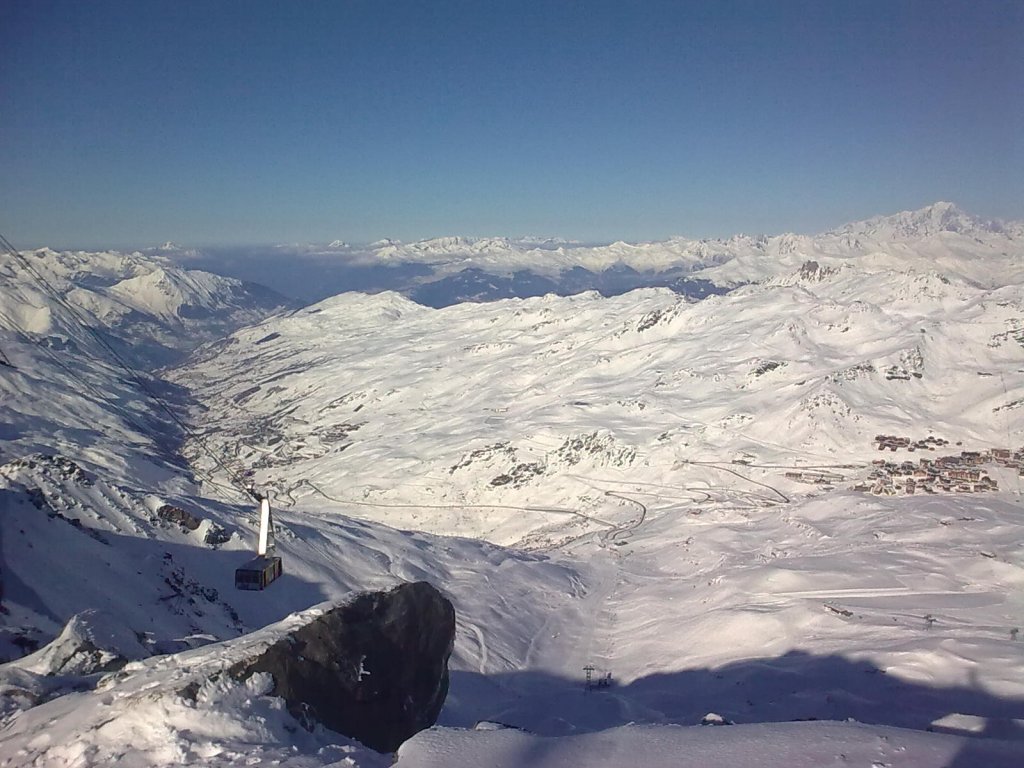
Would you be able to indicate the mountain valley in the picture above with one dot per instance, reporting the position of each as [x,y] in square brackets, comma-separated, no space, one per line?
[673,488]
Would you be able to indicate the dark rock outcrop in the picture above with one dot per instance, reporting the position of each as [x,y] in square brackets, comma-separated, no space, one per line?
[814,272]
[214,536]
[374,669]
[172,514]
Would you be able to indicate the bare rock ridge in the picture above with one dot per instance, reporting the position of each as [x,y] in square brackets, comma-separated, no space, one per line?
[374,669]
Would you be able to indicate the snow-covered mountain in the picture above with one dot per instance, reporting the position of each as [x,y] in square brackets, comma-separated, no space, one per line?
[550,257]
[443,271]
[103,527]
[668,491]
[66,395]
[151,309]
[934,220]
[376,400]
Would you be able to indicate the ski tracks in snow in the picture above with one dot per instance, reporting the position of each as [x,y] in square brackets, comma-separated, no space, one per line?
[481,644]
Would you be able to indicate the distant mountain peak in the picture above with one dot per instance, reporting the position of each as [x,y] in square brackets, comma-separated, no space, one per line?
[942,216]
[170,249]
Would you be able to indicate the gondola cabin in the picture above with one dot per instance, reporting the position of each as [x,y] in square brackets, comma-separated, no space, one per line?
[258,573]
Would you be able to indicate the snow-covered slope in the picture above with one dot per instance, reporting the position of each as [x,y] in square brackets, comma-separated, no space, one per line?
[148,308]
[407,411]
[787,745]
[66,395]
[119,531]
[648,456]
[100,517]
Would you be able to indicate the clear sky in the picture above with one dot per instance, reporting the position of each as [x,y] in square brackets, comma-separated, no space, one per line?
[134,122]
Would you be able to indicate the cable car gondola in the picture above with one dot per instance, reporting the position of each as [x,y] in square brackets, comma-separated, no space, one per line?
[263,569]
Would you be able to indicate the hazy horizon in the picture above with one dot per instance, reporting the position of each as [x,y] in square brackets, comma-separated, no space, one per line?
[237,248]
[266,122]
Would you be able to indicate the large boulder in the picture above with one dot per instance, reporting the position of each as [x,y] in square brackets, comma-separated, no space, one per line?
[374,669]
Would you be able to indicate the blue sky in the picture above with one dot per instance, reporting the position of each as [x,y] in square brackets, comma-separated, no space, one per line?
[134,122]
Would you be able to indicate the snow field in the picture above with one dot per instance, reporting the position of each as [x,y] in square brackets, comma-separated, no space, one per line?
[632,451]
[780,745]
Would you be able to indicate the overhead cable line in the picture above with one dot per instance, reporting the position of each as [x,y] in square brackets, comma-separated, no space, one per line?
[134,374]
[55,359]
[99,394]
[103,397]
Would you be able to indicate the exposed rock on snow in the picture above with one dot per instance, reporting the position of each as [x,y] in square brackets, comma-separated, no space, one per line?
[92,641]
[375,668]
[173,514]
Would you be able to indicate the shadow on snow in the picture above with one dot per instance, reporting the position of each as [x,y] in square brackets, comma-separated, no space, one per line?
[795,686]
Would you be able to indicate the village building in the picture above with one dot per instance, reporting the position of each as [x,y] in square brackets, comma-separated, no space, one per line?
[950,474]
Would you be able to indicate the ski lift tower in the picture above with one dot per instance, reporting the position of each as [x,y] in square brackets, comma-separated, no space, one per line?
[589,670]
[604,681]
[262,570]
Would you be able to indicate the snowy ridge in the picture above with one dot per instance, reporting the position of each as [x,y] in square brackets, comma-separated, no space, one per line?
[500,254]
[141,301]
[551,257]
[648,457]
[941,217]
[443,271]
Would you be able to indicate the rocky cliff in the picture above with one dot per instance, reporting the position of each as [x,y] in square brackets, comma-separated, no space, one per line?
[375,668]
